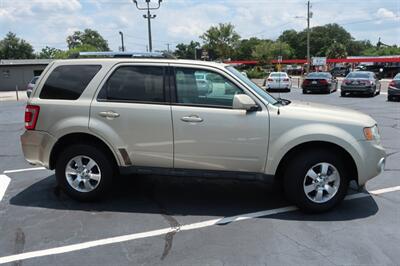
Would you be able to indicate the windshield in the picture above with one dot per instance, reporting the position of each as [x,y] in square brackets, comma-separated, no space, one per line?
[266,96]
[33,81]
[358,75]
[318,75]
[397,76]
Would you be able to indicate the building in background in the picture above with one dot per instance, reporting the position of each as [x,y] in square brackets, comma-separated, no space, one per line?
[19,72]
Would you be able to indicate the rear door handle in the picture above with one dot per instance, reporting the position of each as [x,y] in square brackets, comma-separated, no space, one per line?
[192,118]
[109,114]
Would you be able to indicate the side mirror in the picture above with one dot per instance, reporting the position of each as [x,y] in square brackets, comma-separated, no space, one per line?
[244,102]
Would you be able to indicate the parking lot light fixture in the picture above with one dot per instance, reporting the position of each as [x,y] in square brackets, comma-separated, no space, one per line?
[149,16]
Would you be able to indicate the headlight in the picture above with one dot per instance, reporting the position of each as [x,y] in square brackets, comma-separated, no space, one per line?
[372,133]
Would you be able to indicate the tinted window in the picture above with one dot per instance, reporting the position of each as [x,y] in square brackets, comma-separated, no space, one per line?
[135,83]
[68,82]
[319,75]
[215,91]
[277,75]
[357,75]
[397,76]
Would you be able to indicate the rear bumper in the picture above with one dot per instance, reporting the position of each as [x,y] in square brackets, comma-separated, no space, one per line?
[36,146]
[352,89]
[278,85]
[317,88]
[393,91]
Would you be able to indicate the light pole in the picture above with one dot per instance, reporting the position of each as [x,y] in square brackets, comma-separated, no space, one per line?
[148,16]
[308,36]
[122,41]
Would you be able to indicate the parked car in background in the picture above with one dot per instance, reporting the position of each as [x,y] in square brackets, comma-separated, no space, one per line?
[31,85]
[279,81]
[339,71]
[361,82]
[322,82]
[394,88]
[102,117]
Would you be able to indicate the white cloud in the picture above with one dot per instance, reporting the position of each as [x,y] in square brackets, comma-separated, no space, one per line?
[384,13]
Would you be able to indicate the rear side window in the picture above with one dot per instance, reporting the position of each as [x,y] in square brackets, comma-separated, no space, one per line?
[68,82]
[136,84]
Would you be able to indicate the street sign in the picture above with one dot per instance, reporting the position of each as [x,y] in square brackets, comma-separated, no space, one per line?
[318,61]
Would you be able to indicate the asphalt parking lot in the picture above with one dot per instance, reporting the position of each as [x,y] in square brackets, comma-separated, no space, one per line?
[178,221]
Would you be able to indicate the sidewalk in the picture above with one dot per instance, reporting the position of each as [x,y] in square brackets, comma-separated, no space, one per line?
[12,96]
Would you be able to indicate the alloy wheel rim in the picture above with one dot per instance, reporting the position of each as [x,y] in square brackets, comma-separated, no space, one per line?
[321,182]
[83,173]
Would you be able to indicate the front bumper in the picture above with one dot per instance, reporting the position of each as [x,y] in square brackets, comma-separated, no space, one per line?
[372,162]
[36,146]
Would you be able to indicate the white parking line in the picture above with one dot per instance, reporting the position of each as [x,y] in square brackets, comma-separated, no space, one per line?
[24,170]
[4,182]
[193,226]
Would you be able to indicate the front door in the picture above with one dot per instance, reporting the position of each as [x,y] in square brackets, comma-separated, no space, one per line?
[208,133]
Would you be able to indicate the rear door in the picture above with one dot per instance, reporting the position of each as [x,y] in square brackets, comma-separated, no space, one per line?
[208,133]
[132,112]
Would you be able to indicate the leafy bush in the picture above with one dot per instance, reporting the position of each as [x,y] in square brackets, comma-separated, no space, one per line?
[255,73]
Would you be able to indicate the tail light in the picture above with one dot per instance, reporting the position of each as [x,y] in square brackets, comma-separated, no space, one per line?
[366,82]
[323,82]
[270,79]
[392,83]
[306,82]
[346,81]
[31,116]
[285,79]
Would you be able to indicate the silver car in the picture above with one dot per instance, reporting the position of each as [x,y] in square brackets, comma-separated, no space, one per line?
[278,81]
[92,119]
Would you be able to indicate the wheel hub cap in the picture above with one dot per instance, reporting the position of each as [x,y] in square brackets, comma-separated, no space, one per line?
[82,173]
[321,182]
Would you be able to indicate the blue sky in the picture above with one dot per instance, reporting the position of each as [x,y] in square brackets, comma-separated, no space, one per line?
[48,22]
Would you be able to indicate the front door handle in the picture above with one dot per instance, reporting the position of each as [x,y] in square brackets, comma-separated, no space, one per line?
[192,118]
[109,114]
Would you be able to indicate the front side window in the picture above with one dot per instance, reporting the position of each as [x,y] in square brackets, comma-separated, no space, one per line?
[68,82]
[203,87]
[135,83]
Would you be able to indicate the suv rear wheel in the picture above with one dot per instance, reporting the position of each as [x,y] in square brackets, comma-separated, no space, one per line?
[84,172]
[316,181]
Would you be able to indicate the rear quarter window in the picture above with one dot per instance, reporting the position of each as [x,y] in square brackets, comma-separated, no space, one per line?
[68,82]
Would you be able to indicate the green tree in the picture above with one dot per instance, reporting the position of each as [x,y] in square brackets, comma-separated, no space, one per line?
[49,53]
[87,37]
[321,38]
[245,49]
[358,47]
[186,51]
[221,40]
[375,51]
[268,50]
[336,50]
[12,47]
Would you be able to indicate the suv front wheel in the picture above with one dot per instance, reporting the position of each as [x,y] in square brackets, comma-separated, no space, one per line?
[316,181]
[84,172]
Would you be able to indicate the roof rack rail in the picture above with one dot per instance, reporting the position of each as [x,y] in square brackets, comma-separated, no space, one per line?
[126,54]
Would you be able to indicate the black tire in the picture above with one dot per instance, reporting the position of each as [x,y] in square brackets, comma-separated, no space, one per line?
[304,91]
[103,161]
[342,94]
[390,98]
[295,175]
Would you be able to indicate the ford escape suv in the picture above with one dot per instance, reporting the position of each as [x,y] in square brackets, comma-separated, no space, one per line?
[92,119]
